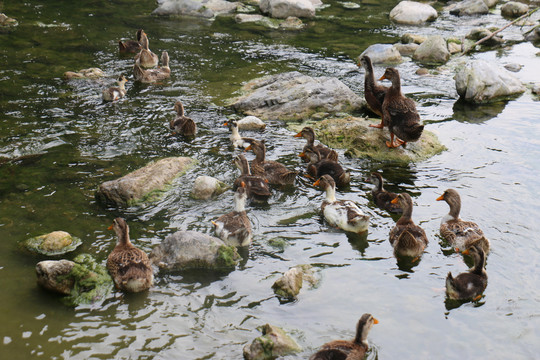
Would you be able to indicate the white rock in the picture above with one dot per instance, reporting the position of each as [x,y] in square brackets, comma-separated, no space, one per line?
[206,186]
[412,13]
[382,53]
[432,51]
[282,9]
[250,123]
[469,7]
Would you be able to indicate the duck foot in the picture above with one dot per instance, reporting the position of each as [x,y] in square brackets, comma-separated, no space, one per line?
[378,126]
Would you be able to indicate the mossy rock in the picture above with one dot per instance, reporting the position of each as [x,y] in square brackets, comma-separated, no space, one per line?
[51,244]
[271,345]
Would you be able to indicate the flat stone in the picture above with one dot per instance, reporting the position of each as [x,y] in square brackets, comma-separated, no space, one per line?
[412,13]
[406,49]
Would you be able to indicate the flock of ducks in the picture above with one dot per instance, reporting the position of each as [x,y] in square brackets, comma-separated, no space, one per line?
[130,267]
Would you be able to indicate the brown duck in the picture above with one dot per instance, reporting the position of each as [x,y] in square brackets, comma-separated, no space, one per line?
[309,134]
[115,92]
[256,187]
[131,46]
[471,284]
[381,197]
[146,58]
[373,91]
[318,167]
[234,227]
[399,113]
[276,173]
[129,266]
[348,349]
[407,238]
[152,75]
[181,124]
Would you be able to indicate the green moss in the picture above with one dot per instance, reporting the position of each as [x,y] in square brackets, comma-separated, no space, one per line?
[54,243]
[227,257]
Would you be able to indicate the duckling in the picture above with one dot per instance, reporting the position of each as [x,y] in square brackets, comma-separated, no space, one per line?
[182,124]
[256,187]
[460,234]
[145,58]
[318,167]
[399,113]
[471,284]
[234,227]
[131,46]
[152,75]
[274,172]
[115,93]
[348,349]
[373,91]
[381,197]
[343,214]
[407,238]
[129,266]
[237,140]
[309,134]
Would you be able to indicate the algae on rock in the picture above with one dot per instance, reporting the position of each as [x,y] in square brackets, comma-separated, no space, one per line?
[54,243]
[273,343]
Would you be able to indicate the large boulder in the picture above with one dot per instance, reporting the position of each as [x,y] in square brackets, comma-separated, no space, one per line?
[273,344]
[412,13]
[469,7]
[54,243]
[282,9]
[294,96]
[432,51]
[196,8]
[382,54]
[193,250]
[206,187]
[143,184]
[480,81]
[514,9]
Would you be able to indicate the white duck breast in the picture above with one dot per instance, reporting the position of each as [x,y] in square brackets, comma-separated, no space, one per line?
[346,215]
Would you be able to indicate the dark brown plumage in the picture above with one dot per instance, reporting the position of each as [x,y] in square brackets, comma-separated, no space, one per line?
[381,197]
[274,172]
[348,349]
[131,46]
[256,187]
[145,58]
[399,112]
[318,167]
[153,75]
[373,91]
[129,266]
[407,238]
[182,124]
[234,227]
[309,134]
[471,284]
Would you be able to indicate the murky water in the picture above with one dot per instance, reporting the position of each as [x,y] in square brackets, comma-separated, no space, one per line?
[64,142]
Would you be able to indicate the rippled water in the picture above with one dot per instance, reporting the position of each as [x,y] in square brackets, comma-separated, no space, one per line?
[63,142]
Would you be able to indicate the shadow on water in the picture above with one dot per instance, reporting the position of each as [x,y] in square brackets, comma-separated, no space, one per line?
[358,242]
[475,113]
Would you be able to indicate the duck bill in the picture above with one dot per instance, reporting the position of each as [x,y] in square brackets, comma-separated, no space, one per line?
[395,201]
[302,155]
[465,252]
[248,148]
[110,227]
[298,135]
[225,123]
[382,78]
[375,321]
[440,198]
[316,183]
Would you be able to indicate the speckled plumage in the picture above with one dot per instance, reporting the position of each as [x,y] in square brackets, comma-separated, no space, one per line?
[234,227]
[318,167]
[131,46]
[145,58]
[325,153]
[152,75]
[274,172]
[182,124]
[407,238]
[256,187]
[115,93]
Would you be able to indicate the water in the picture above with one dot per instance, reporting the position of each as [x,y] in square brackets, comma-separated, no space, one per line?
[63,142]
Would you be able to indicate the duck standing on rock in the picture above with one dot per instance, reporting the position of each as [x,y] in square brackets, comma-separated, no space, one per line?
[348,349]
[131,46]
[407,238]
[276,173]
[146,58]
[460,234]
[343,214]
[309,134]
[234,227]
[152,75]
[115,93]
[182,124]
[129,266]
[471,284]
[318,167]
[374,92]
[256,187]
[381,197]
[399,113]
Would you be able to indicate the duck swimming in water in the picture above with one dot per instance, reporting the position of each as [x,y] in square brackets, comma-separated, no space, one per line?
[309,134]
[131,46]
[152,75]
[381,197]
[182,124]
[471,284]
[273,171]
[407,238]
[115,92]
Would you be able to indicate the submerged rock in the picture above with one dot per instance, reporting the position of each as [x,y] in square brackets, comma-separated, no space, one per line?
[514,9]
[294,96]
[282,9]
[54,243]
[432,51]
[143,184]
[382,54]
[206,187]
[469,7]
[480,81]
[288,286]
[90,73]
[412,13]
[196,8]
[193,250]
[273,343]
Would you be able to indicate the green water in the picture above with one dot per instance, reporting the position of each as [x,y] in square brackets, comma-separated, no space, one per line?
[59,141]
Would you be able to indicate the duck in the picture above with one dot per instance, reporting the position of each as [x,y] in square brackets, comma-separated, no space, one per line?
[381,197]
[309,134]
[471,284]
[129,266]
[234,228]
[256,187]
[460,234]
[131,46]
[115,93]
[407,238]
[152,75]
[399,113]
[236,139]
[343,214]
[373,91]
[273,171]
[181,124]
[318,167]
[145,58]
[348,349]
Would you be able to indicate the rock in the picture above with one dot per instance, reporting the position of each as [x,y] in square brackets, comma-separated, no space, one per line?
[292,23]
[362,141]
[534,36]
[513,67]
[432,51]
[350,5]
[193,250]
[6,21]
[453,47]
[288,286]
[490,3]
[272,344]
[282,9]
[479,33]
[54,243]
[206,186]
[412,38]
[251,123]
[406,49]
[469,7]
[83,281]
[514,9]
[412,13]
[480,81]
[382,54]
[90,73]
[422,71]
[536,89]
[204,8]
[144,184]
[294,96]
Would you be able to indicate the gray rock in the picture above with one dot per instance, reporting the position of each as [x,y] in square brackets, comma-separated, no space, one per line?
[257,19]
[513,67]
[514,9]
[479,33]
[534,36]
[469,7]
[294,96]
[412,38]
[432,51]
[406,49]
[51,275]
[292,23]
[490,3]
[193,250]
[382,54]
[282,9]
[412,13]
[143,184]
[204,8]
[453,47]
[272,344]
[480,81]
[536,89]
[54,243]
[288,286]
[206,187]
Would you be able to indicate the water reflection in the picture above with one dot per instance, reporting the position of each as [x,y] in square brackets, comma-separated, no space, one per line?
[477,113]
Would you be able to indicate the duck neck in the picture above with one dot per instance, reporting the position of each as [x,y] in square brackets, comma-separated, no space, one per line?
[239,203]
[245,168]
[235,134]
[310,138]
[407,213]
[361,336]
[330,193]
[455,208]
[479,263]
[377,185]
[395,89]
[123,237]
[180,109]
[122,85]
[260,153]
[369,76]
